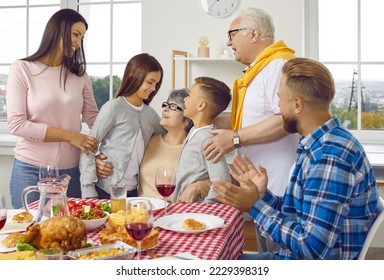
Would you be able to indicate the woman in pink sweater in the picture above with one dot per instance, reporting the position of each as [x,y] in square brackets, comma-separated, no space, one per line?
[48,94]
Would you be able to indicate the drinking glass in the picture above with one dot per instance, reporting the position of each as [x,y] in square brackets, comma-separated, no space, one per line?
[139,221]
[165,183]
[48,171]
[49,254]
[118,193]
[3,211]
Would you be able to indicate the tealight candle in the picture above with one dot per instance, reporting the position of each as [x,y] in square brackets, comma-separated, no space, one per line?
[203,50]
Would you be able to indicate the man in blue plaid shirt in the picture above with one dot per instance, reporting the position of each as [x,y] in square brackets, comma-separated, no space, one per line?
[331,199]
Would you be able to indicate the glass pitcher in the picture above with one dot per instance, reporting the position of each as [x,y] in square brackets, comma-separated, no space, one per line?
[53,198]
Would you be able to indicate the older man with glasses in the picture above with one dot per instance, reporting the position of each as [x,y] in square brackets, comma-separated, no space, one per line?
[255,124]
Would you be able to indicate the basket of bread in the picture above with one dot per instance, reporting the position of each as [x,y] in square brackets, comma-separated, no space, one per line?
[115,230]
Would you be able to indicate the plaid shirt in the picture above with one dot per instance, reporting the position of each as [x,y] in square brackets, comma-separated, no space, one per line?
[330,202]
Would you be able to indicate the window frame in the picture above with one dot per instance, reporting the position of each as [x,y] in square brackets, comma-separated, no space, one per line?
[311,50]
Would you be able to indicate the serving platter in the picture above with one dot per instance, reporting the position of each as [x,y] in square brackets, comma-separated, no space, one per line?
[4,249]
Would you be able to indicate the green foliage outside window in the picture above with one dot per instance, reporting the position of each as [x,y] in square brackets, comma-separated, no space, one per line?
[372,120]
[101,88]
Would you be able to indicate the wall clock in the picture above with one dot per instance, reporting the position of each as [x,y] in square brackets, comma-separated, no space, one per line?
[219,8]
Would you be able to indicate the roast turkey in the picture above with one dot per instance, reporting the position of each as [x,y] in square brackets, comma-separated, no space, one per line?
[62,232]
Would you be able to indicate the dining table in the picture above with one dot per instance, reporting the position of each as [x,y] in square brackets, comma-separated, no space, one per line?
[222,243]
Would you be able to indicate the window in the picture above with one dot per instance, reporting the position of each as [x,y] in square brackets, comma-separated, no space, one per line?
[113,37]
[351,48]
[18,21]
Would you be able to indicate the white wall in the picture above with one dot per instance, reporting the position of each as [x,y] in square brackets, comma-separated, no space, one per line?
[180,25]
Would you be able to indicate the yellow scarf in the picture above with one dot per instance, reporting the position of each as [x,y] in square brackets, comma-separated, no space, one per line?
[274,51]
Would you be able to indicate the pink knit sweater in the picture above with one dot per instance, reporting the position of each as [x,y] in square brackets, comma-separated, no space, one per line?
[36,101]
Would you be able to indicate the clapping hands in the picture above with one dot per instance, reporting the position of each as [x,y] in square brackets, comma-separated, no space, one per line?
[253,185]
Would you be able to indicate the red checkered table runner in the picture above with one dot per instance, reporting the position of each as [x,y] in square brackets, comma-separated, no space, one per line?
[224,243]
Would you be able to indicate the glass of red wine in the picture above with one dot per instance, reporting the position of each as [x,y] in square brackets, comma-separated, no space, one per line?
[165,183]
[139,221]
[3,211]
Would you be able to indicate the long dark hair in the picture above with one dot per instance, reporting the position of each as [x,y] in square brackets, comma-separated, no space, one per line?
[135,72]
[59,27]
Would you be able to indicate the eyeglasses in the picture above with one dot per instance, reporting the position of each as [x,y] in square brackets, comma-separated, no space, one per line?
[172,106]
[233,32]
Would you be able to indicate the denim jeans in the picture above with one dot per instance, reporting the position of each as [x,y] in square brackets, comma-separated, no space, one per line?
[25,175]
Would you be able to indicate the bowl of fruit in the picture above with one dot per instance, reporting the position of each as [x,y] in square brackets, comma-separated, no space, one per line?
[90,213]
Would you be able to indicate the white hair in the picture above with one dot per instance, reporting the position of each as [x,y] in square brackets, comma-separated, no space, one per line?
[255,18]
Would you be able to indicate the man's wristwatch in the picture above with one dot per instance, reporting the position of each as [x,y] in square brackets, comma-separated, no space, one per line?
[236,139]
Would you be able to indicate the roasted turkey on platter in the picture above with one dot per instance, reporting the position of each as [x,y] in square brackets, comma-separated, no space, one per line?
[62,232]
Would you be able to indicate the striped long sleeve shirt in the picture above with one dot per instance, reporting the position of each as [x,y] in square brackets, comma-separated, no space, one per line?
[330,202]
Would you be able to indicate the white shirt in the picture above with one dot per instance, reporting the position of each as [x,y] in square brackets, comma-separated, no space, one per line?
[261,102]
[195,130]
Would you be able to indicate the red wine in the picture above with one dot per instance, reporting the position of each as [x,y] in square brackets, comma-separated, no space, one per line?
[3,219]
[165,189]
[139,231]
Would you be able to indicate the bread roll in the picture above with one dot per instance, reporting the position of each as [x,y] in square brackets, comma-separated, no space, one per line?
[11,240]
[22,217]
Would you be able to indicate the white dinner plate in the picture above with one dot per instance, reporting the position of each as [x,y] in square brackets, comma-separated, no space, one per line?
[10,226]
[174,222]
[156,203]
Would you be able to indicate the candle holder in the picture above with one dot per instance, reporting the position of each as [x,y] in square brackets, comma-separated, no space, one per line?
[203,50]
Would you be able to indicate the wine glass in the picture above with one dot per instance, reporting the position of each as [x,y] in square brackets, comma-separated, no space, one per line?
[48,171]
[3,211]
[139,221]
[165,183]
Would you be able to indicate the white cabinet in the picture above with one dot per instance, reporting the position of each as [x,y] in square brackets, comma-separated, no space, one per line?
[224,69]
